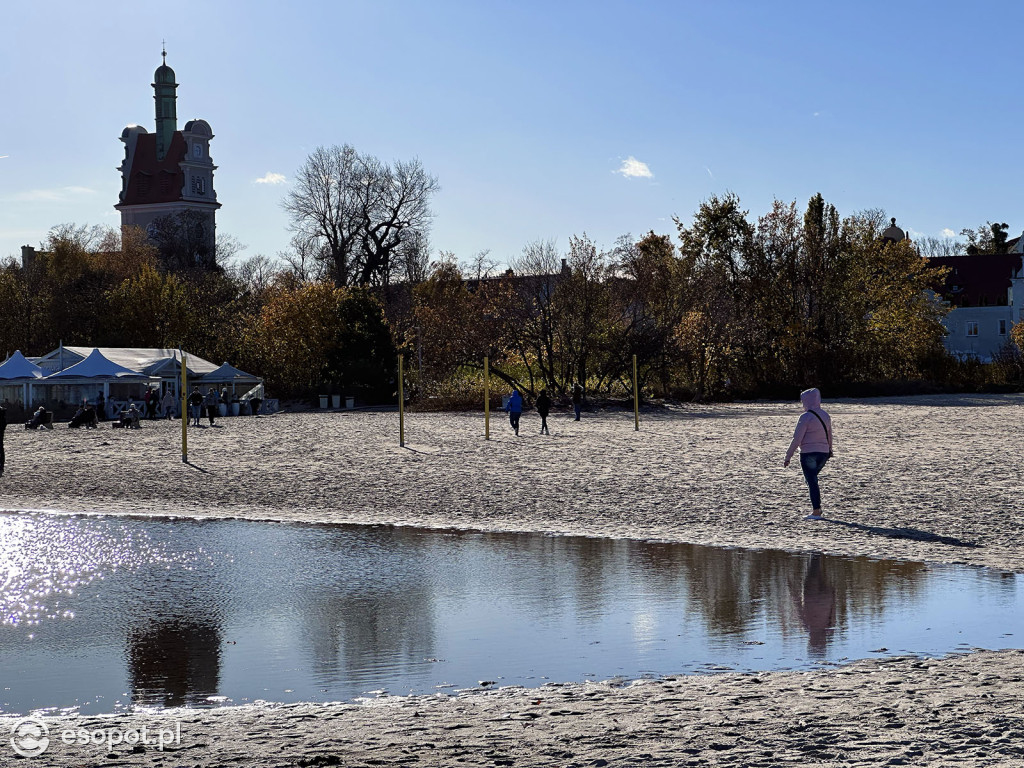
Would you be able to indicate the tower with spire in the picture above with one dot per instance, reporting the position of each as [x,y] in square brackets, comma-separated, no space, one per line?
[167,180]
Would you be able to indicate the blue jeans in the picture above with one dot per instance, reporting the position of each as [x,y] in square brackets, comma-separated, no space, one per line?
[811,464]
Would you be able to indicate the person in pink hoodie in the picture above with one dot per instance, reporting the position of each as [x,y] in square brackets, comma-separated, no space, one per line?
[813,436]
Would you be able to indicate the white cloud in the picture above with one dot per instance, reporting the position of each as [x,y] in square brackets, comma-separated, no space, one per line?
[55,195]
[633,168]
[272,178]
[947,232]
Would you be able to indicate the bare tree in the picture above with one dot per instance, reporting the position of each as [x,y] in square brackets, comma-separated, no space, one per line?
[304,261]
[479,266]
[256,273]
[939,247]
[365,218]
[324,208]
[412,262]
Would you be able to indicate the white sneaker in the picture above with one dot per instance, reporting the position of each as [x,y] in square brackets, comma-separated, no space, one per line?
[814,517]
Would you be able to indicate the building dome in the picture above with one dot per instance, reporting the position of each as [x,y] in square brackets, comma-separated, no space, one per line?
[132,129]
[894,233]
[200,127]
[164,75]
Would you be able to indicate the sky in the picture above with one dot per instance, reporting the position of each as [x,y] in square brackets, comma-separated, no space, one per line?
[540,120]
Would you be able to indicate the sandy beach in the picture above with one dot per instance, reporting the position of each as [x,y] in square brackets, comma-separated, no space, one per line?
[931,479]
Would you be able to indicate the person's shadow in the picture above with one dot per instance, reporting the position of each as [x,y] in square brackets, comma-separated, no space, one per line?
[914,534]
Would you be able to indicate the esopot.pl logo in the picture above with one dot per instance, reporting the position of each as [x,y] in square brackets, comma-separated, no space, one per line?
[30,737]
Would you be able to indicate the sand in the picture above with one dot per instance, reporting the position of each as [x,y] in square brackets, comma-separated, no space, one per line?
[925,479]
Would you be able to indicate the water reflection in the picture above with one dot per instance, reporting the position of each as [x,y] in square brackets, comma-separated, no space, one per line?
[173,663]
[101,614]
[816,604]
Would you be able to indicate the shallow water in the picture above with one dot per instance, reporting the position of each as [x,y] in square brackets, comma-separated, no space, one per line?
[100,614]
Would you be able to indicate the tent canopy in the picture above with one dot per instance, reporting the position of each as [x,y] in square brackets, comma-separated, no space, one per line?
[148,360]
[226,373]
[17,367]
[96,366]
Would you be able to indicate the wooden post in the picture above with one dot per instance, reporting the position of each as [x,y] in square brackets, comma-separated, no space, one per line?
[636,400]
[401,404]
[487,399]
[184,413]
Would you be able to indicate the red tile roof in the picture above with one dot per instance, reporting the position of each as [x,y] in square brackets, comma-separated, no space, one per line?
[153,181]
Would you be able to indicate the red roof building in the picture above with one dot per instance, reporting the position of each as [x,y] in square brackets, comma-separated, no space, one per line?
[169,172]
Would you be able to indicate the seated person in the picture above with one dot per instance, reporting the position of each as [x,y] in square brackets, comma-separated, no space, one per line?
[84,417]
[134,414]
[37,420]
[126,418]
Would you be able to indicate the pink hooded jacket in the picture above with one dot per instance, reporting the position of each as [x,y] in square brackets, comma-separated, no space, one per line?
[810,436]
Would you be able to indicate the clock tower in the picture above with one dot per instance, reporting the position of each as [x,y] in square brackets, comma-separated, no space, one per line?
[167,181]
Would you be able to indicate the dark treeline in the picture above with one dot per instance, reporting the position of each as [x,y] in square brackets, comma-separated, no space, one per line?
[729,307]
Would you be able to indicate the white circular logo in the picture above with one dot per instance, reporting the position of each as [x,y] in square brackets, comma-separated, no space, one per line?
[30,737]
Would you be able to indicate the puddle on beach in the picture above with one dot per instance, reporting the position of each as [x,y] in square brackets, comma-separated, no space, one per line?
[102,614]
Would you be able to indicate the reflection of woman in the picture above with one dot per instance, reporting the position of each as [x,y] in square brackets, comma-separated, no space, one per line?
[817,605]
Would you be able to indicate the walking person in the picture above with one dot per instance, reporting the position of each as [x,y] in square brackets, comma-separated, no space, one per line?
[211,404]
[153,404]
[167,403]
[195,403]
[577,398]
[813,436]
[544,408]
[515,409]
[3,428]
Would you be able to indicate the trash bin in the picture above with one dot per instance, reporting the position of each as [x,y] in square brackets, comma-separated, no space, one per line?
[350,403]
[222,409]
[335,402]
[236,407]
[323,400]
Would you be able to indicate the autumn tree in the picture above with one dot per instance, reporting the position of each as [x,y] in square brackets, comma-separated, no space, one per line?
[309,335]
[988,238]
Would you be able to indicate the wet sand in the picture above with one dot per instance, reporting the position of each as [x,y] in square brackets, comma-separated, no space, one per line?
[924,478]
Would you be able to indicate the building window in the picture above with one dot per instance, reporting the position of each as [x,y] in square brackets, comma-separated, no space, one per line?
[1002,327]
[972,327]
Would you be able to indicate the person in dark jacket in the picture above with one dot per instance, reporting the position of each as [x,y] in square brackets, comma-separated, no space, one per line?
[211,404]
[195,403]
[515,409]
[577,399]
[544,408]
[3,428]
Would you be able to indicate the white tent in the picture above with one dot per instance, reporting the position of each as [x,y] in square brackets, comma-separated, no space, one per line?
[228,374]
[93,376]
[17,367]
[16,376]
[96,366]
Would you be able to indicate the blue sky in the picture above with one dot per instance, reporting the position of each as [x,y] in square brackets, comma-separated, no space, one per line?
[540,119]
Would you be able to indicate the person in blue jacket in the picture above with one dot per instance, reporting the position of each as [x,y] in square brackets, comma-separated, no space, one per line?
[515,409]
